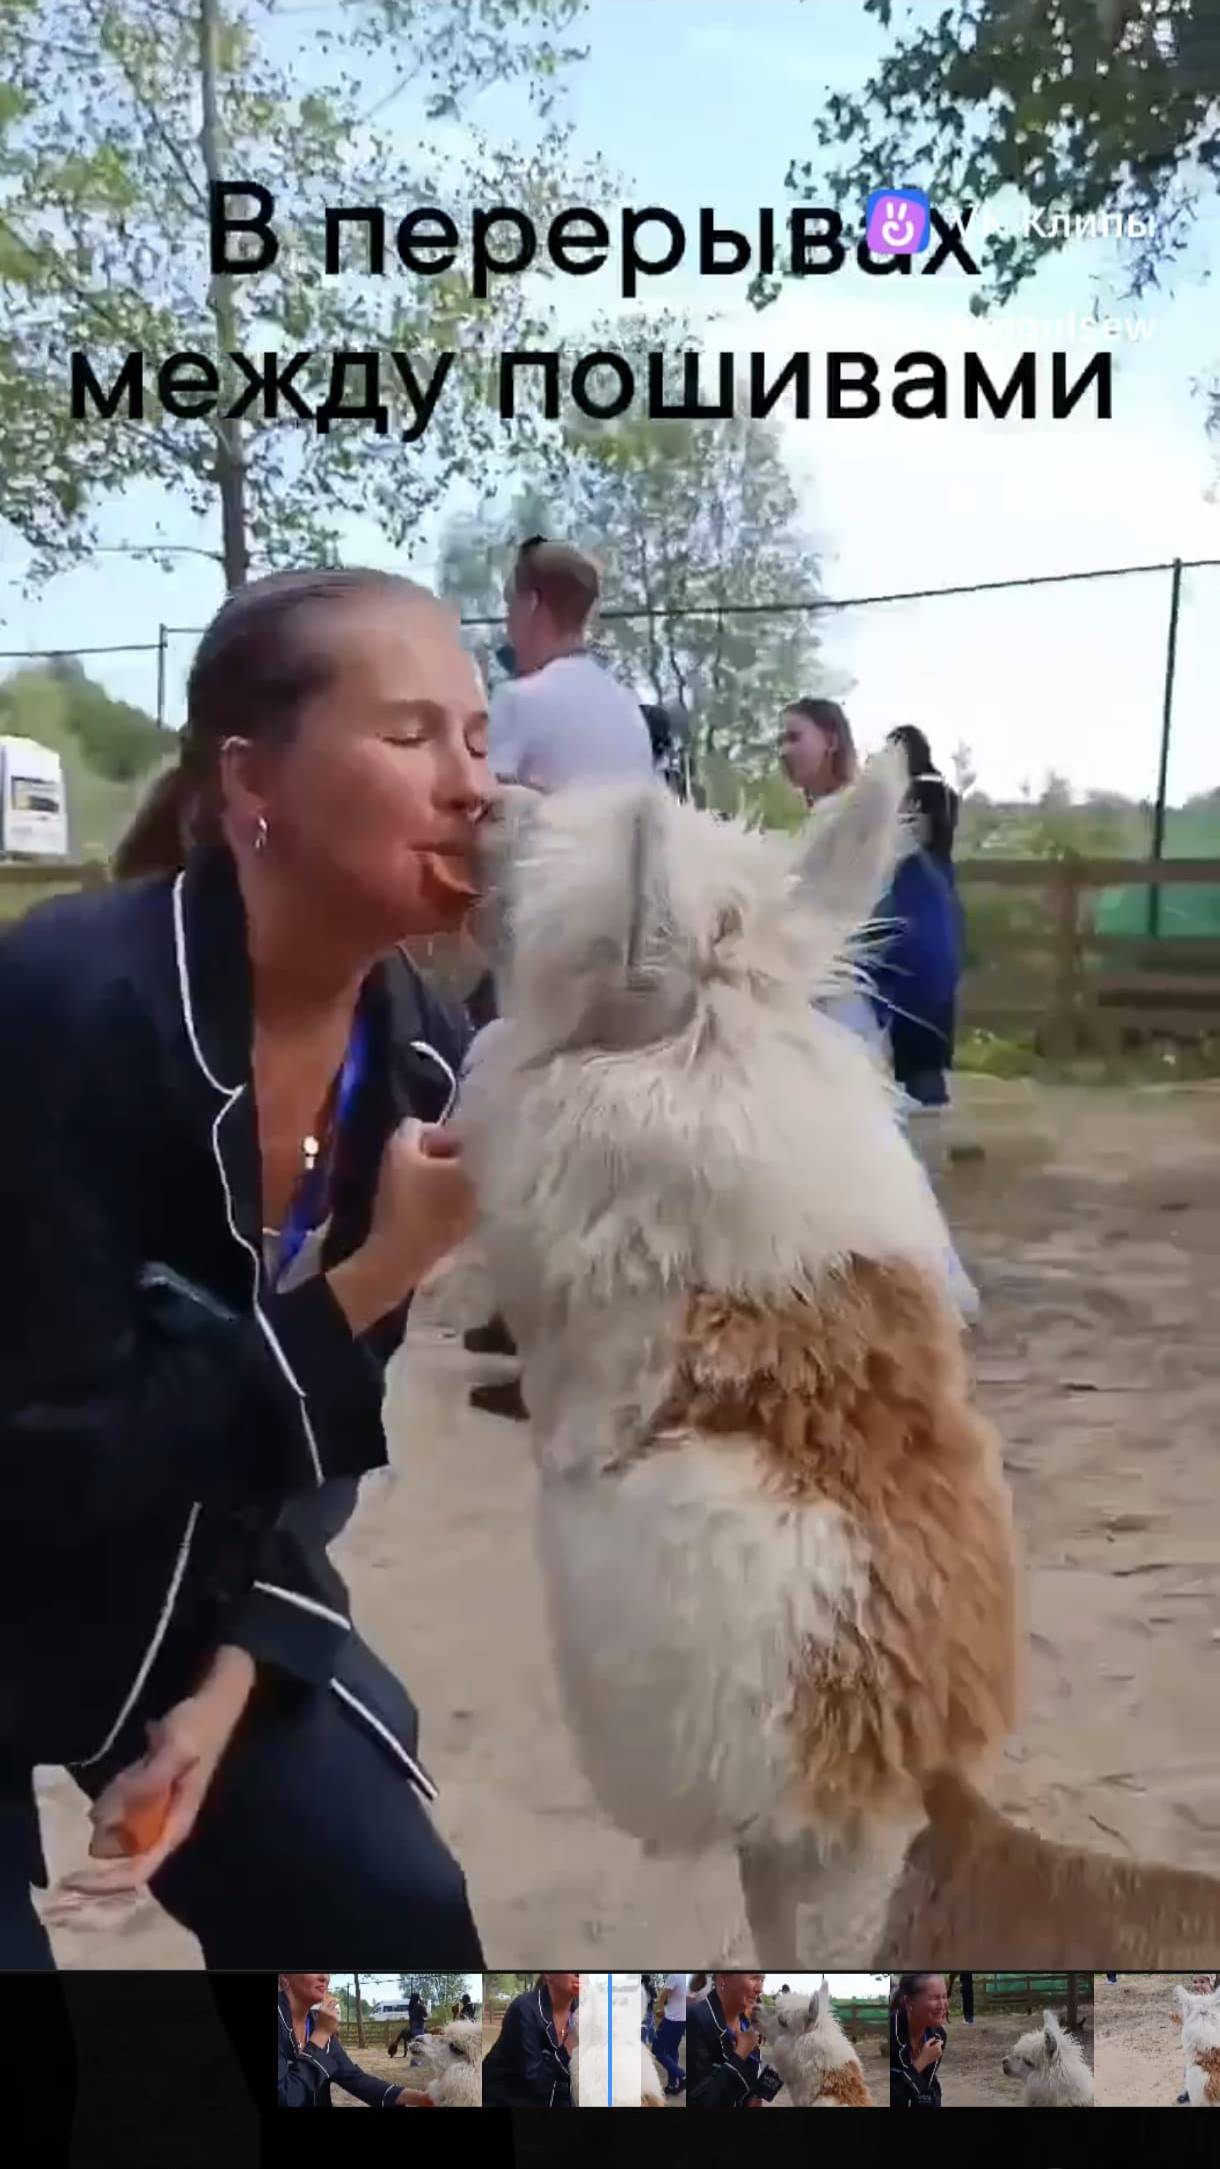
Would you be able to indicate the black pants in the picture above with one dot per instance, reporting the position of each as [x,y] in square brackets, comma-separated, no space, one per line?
[968,1997]
[311,1838]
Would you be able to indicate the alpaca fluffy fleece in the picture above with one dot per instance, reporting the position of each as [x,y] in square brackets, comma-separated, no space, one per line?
[447,2065]
[775,1534]
[1053,2067]
[1201,2046]
[974,1882]
[652,2078]
[813,2056]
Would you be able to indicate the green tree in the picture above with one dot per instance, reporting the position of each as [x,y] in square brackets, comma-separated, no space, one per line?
[440,1991]
[107,747]
[114,117]
[1082,105]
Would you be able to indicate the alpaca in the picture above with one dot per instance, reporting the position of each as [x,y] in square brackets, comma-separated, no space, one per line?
[776,1538]
[813,2056]
[652,2078]
[448,2065]
[1201,2046]
[1053,2067]
[974,1882]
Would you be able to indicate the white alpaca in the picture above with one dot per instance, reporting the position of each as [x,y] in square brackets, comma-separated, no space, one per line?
[652,2078]
[447,2066]
[1053,2067]
[1201,2046]
[813,2056]
[776,1539]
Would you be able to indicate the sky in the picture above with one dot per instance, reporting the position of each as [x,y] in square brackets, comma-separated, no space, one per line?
[1067,678]
[863,1986]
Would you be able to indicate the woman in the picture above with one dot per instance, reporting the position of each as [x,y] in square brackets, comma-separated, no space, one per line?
[417,2015]
[312,2058]
[724,2046]
[818,755]
[919,2008]
[933,802]
[224,1182]
[923,1016]
[529,2065]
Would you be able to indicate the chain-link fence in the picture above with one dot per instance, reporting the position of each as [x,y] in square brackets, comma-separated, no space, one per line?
[1074,710]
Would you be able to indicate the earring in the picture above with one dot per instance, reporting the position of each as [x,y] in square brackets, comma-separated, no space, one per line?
[260,833]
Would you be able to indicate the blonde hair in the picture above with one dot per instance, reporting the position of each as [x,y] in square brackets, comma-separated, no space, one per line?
[566,581]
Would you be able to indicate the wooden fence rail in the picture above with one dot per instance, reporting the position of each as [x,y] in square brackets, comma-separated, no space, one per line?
[1034,963]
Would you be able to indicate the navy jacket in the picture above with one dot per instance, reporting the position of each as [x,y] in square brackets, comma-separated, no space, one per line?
[526,2068]
[178,1441]
[304,2077]
[715,2078]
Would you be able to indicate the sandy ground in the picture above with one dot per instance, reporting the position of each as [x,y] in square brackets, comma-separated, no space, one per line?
[1139,2050]
[1093,1226]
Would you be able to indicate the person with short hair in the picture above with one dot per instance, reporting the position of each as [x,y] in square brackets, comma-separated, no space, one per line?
[724,2045]
[562,718]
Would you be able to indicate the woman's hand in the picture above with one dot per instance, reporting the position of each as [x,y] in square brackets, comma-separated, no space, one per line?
[411,2098]
[161,1795]
[424,1207]
[930,2053]
[325,2019]
[747,2044]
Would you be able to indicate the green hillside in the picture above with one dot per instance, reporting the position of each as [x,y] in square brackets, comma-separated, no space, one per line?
[108,748]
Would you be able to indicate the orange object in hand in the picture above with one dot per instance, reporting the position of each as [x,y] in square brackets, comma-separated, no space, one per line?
[142,1826]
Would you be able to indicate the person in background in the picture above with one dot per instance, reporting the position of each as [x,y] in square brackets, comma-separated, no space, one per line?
[724,2046]
[312,2058]
[562,719]
[923,1021]
[934,803]
[669,2033]
[529,2065]
[468,2009]
[919,2009]
[907,1014]
[417,2015]
[648,1997]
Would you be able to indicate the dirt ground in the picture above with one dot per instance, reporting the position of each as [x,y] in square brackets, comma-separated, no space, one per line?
[378,2061]
[1139,2062]
[1092,1223]
[970,2073]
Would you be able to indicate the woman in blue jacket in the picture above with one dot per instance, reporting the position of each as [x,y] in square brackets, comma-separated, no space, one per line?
[223,1179]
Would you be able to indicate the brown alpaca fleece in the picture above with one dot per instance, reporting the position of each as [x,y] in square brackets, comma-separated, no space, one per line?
[975,1883]
[844,2088]
[857,1395]
[1208,2060]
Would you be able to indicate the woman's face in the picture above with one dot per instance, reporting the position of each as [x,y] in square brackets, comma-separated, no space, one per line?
[929,2006]
[739,1991]
[804,752]
[564,1987]
[307,1988]
[371,809]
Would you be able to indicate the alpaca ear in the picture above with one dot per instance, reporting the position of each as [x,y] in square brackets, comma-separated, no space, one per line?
[850,847]
[821,2002]
[502,834]
[1051,2034]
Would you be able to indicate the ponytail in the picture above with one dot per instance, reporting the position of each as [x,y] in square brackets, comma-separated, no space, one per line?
[155,841]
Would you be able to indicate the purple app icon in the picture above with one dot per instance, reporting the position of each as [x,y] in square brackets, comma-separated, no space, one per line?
[897,222]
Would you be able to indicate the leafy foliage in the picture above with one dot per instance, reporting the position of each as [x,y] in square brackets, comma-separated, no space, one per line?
[1082,105]
[104,248]
[107,747]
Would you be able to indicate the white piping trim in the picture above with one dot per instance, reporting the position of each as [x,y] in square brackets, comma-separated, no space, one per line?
[184,990]
[231,1094]
[329,2075]
[421,1046]
[155,1644]
[390,2090]
[419,1778]
[307,1604]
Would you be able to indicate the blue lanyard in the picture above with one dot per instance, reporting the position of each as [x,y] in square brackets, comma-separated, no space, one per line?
[306,1211]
